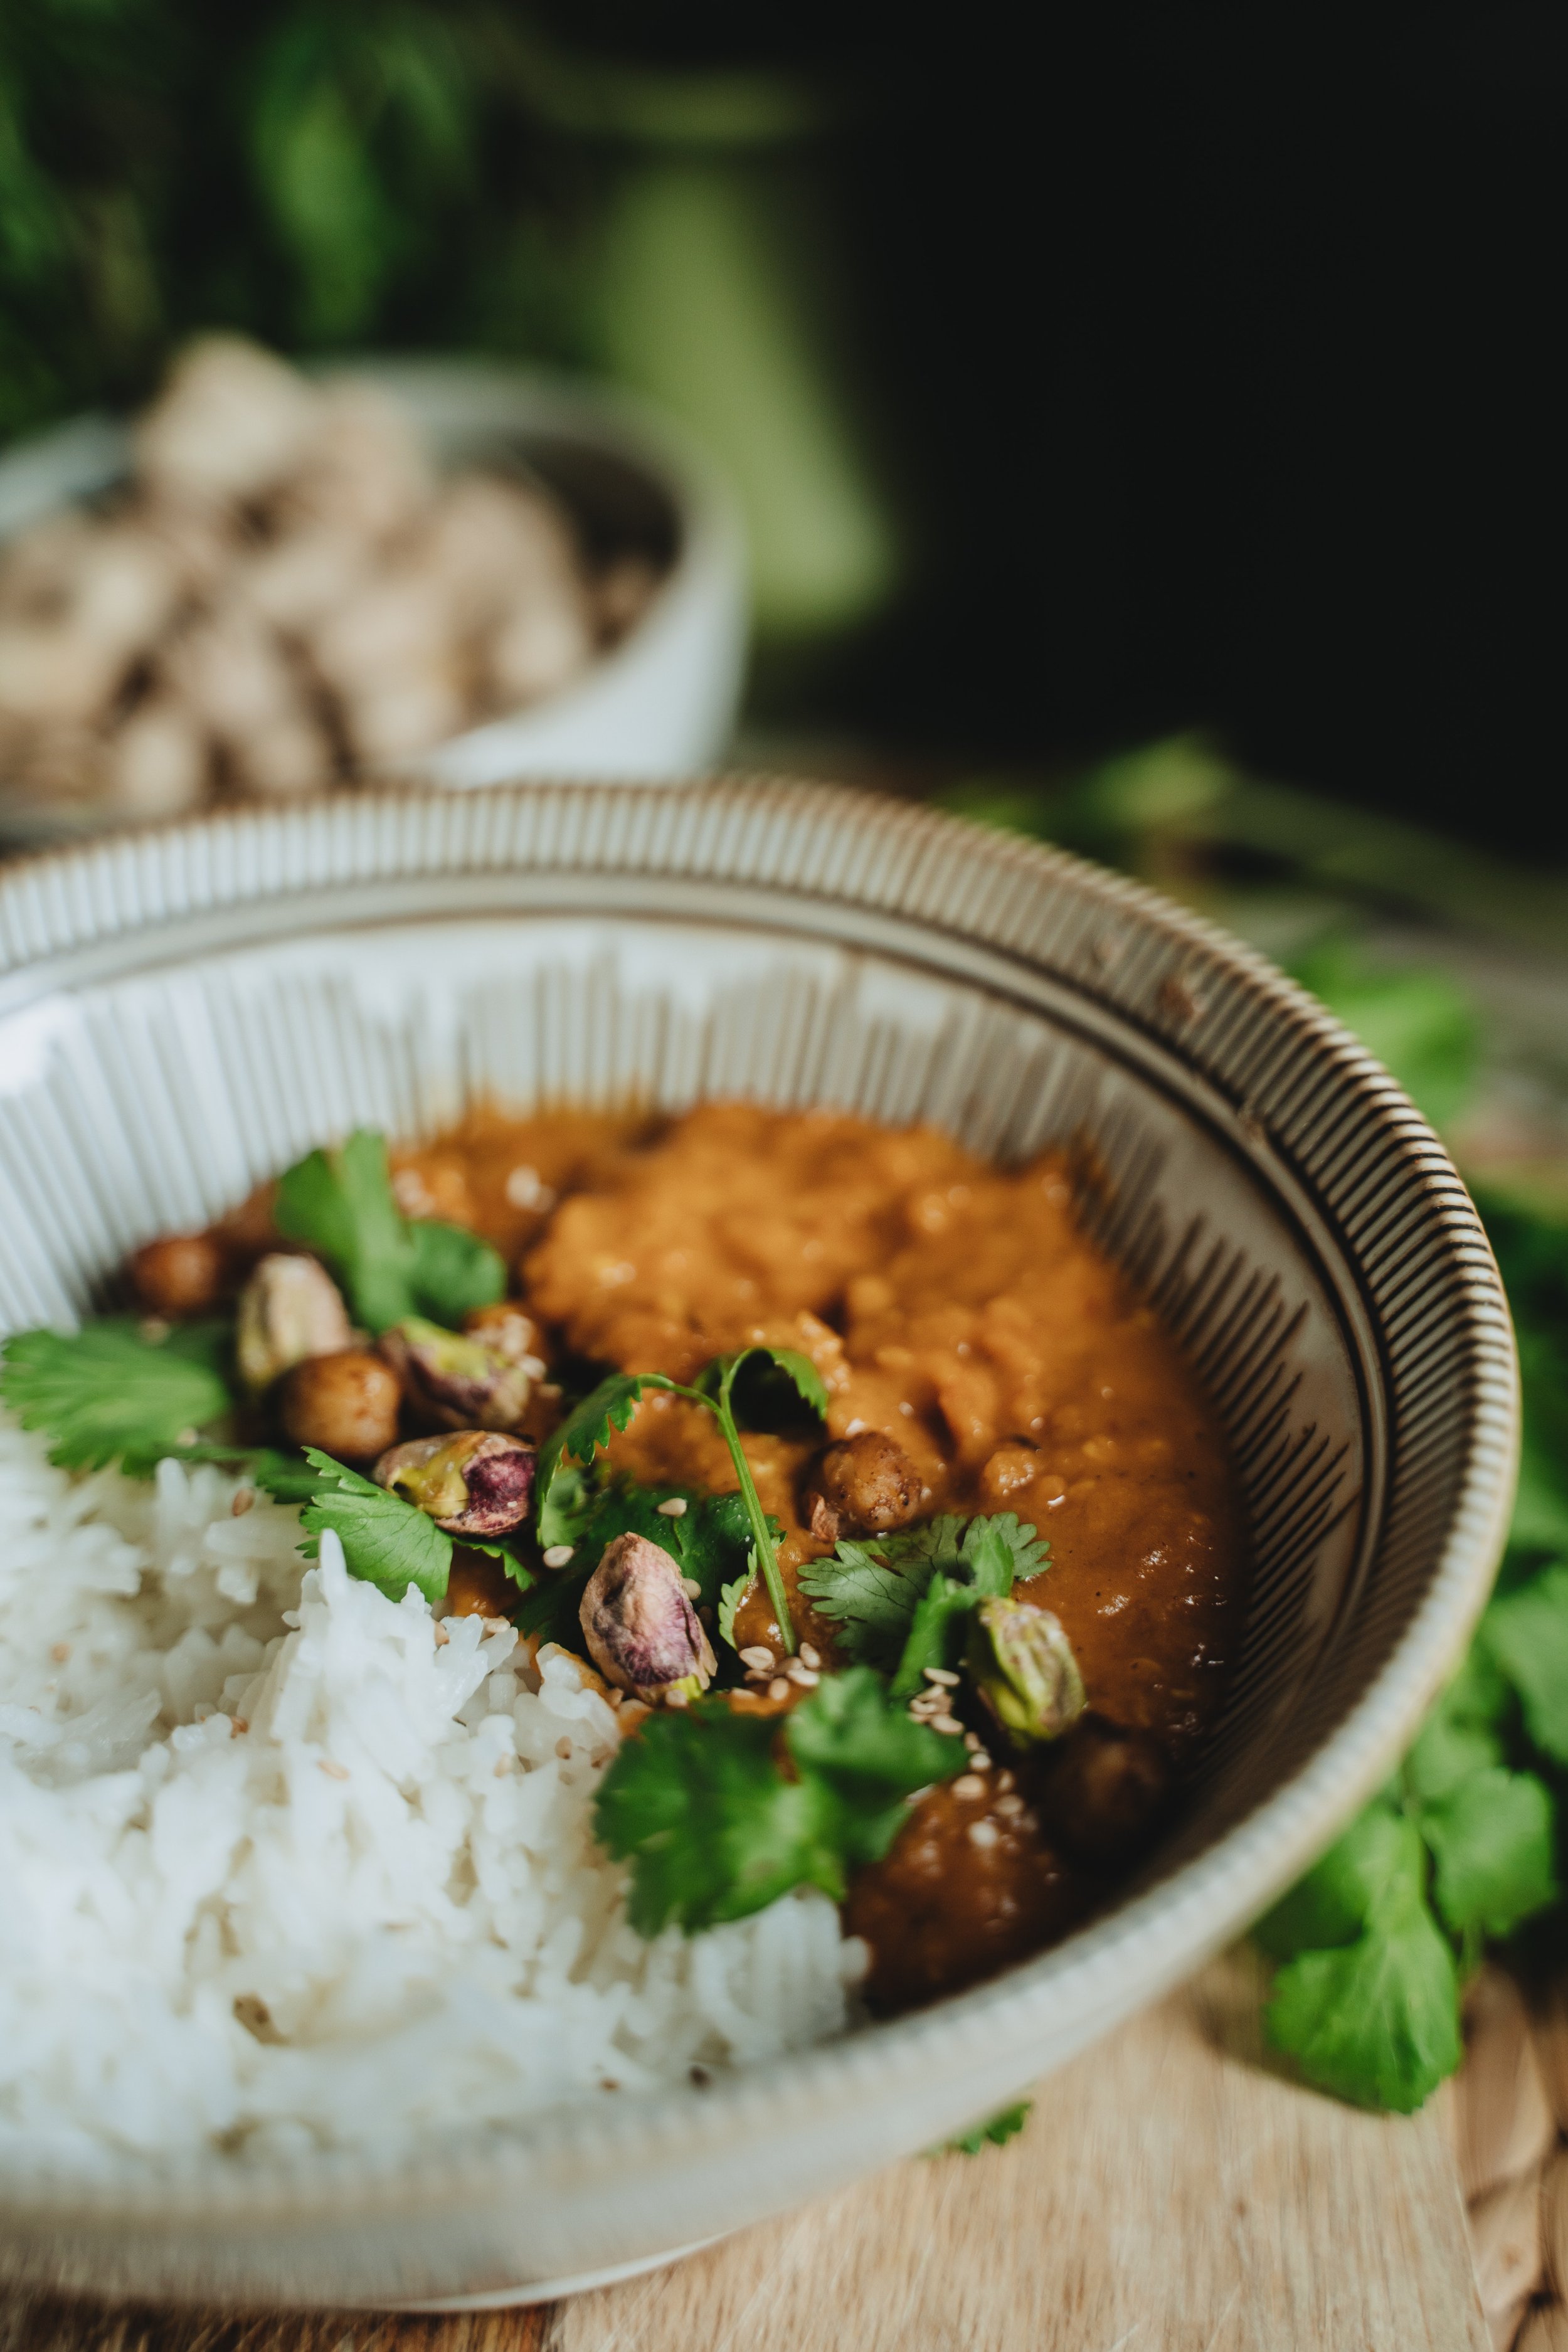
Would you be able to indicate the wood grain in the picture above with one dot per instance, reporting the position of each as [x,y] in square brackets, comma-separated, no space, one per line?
[1170,2195]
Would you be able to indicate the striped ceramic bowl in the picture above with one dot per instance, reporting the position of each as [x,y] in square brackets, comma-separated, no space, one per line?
[183,1012]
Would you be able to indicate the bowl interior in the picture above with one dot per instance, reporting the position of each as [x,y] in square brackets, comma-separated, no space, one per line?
[186,1017]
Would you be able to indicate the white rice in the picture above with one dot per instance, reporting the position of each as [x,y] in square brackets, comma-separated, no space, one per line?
[375,1914]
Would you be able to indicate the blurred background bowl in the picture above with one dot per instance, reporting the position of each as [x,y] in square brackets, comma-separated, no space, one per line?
[659,703]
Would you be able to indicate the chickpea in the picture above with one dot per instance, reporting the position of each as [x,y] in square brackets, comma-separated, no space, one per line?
[868,1483]
[1106,1789]
[346,1403]
[183,1274]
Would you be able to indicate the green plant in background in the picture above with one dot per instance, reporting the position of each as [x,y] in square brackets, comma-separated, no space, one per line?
[333,174]
[1463,1849]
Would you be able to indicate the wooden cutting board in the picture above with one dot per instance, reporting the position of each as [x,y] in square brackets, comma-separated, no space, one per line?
[1170,2194]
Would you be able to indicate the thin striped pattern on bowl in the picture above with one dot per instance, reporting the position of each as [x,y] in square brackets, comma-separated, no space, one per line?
[183,1012]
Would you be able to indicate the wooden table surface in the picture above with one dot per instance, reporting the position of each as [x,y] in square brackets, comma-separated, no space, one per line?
[1170,2194]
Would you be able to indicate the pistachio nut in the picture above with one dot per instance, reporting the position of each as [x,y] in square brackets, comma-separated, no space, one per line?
[289,1311]
[1025,1670]
[455,1381]
[642,1632]
[478,1482]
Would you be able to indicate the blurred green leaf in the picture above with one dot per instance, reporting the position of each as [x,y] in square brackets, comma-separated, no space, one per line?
[1419,1024]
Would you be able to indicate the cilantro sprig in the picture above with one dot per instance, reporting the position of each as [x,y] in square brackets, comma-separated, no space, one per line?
[109,1393]
[389,1542]
[720,1813]
[1461,1850]
[568,1497]
[340,1204]
[901,1601]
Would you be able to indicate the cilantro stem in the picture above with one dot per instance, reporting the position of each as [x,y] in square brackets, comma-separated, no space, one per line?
[767,1558]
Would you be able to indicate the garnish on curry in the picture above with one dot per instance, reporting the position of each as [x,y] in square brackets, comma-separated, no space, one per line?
[887,1514]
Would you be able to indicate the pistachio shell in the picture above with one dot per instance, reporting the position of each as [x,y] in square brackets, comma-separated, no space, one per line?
[477,1483]
[1026,1671]
[289,1311]
[642,1631]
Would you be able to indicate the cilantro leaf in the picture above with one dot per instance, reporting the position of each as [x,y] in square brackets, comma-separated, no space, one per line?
[390,1543]
[936,1633]
[1375,2020]
[1527,1633]
[873,1603]
[719,1379]
[730,1600]
[1492,1840]
[565,1496]
[872,1754]
[994,2132]
[873,1588]
[340,1204]
[1339,1895]
[452,1271]
[714,1830]
[106,1393]
[287,1477]
[713,1541]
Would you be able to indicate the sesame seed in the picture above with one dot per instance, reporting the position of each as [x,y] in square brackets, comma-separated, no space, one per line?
[690,1587]
[188,1437]
[240,1725]
[801,1674]
[1010,1807]
[968,1786]
[59,1652]
[949,1723]
[972,1740]
[675,1697]
[617,1698]
[1005,1782]
[564,1748]
[503,1766]
[442,1637]
[244,1501]
[810,1657]
[943,1675]
[979,1761]
[984,1833]
[558,1556]
[674,1510]
[758,1657]
[334,1770]
[778,1689]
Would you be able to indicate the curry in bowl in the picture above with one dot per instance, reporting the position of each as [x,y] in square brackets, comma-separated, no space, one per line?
[768,1568]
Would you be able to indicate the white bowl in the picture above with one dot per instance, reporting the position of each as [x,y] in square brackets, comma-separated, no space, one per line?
[660,705]
[1279,1197]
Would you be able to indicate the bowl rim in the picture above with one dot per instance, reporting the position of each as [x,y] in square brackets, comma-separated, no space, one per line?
[57,903]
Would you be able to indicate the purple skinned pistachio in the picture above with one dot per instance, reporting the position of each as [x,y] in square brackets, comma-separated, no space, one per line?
[642,1632]
[458,1381]
[478,1482]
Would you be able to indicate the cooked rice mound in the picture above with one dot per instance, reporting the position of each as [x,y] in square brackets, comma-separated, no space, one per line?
[373,1915]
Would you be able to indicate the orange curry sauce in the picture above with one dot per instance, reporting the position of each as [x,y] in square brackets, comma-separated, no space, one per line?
[961,1309]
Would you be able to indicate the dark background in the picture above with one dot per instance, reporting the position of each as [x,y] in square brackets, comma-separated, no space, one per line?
[1206,353]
